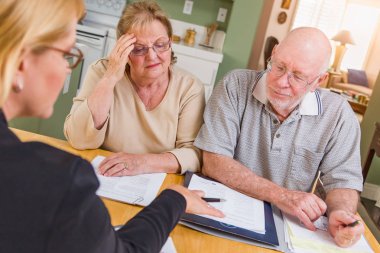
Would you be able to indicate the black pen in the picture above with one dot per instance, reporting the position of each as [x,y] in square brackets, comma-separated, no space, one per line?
[353,224]
[213,199]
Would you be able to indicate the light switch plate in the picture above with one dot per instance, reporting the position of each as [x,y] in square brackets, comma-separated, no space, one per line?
[222,15]
[188,7]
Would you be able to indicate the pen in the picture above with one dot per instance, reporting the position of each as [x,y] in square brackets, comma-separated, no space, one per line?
[353,224]
[213,199]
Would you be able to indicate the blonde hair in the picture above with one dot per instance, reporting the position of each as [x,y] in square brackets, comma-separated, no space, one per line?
[30,25]
[138,15]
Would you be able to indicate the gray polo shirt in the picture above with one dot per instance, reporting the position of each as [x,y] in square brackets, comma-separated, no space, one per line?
[322,133]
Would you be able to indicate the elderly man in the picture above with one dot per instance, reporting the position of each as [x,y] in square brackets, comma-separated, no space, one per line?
[267,134]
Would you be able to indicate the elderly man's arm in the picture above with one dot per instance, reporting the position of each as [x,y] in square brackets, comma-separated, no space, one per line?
[342,205]
[305,206]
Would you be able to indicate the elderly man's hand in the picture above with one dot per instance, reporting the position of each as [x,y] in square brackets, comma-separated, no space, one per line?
[345,235]
[307,207]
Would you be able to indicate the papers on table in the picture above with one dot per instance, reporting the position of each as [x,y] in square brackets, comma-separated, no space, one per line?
[138,190]
[301,240]
[240,210]
[322,223]
[168,247]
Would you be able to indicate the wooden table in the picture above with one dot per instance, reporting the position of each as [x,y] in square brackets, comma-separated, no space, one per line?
[185,239]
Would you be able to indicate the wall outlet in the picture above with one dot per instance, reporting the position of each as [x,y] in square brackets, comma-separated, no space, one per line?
[222,14]
[188,7]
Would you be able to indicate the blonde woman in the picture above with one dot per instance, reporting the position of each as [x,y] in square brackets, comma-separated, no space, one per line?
[48,201]
[137,103]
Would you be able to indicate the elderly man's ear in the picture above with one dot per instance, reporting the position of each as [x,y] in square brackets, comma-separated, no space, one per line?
[274,51]
[321,79]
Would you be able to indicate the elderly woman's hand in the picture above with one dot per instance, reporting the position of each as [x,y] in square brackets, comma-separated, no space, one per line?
[123,164]
[118,58]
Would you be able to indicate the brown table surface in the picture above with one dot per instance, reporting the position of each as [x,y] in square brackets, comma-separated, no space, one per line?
[185,239]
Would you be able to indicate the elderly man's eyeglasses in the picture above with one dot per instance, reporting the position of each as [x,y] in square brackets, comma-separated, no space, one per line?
[73,57]
[158,47]
[293,79]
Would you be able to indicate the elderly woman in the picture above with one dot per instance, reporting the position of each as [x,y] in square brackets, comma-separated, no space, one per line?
[136,102]
[48,196]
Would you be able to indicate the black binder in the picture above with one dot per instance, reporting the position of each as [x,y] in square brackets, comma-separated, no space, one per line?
[205,224]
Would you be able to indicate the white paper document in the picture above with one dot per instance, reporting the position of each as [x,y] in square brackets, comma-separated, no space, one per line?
[240,210]
[168,247]
[138,190]
[302,240]
[322,223]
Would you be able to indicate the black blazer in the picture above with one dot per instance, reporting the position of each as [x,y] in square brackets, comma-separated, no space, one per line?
[48,204]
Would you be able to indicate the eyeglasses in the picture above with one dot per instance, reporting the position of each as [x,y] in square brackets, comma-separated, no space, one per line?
[294,80]
[73,57]
[158,47]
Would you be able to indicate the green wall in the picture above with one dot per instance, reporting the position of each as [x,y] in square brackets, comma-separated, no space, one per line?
[204,12]
[371,116]
[240,34]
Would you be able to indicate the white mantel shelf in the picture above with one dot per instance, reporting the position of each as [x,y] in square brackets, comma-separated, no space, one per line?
[197,51]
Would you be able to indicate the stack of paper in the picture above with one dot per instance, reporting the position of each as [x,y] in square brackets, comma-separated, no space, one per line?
[301,240]
[240,210]
[137,190]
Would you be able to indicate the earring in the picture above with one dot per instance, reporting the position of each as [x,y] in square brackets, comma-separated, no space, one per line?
[19,85]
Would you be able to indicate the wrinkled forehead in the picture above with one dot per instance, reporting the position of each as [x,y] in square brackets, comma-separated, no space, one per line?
[147,26]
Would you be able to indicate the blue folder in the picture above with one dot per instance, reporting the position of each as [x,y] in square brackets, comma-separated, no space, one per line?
[270,236]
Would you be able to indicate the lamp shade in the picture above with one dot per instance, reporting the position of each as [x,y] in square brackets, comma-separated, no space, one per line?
[344,37]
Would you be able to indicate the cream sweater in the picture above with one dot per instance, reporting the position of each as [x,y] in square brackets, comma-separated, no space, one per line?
[170,127]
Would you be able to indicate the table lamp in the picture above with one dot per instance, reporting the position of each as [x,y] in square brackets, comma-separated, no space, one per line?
[344,37]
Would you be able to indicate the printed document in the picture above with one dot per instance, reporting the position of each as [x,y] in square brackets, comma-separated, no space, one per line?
[168,247]
[240,210]
[137,190]
[302,240]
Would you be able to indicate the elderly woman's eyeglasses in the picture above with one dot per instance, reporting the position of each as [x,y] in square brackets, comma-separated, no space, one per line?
[73,57]
[158,47]
[295,80]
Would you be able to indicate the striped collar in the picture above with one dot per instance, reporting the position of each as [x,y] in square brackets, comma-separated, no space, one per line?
[311,104]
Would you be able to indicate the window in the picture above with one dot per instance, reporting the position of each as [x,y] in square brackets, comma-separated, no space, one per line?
[331,16]
[325,15]
[362,32]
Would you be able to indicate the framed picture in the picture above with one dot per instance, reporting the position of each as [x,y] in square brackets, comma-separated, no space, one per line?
[286,4]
